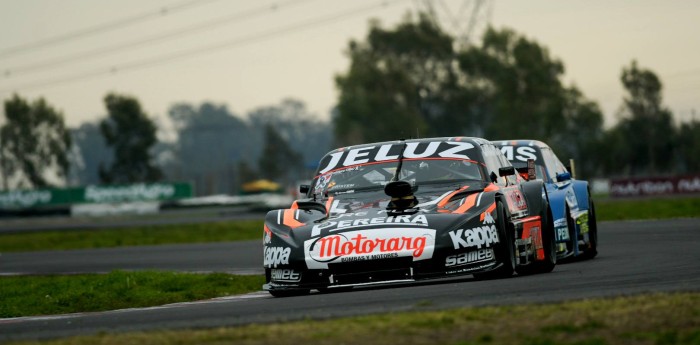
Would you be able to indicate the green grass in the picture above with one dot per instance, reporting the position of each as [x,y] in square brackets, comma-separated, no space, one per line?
[132,236]
[659,208]
[609,209]
[43,295]
[656,319]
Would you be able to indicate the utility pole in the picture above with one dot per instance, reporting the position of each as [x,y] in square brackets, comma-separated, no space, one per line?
[463,21]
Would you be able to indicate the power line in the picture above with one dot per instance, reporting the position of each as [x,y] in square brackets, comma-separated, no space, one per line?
[185,53]
[207,25]
[97,29]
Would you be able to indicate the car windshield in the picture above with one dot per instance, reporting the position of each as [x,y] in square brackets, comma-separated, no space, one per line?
[416,171]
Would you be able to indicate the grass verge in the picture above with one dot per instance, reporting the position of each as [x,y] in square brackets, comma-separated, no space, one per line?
[249,230]
[647,319]
[43,295]
[132,236]
[660,208]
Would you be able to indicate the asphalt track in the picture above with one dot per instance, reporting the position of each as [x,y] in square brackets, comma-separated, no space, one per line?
[635,257]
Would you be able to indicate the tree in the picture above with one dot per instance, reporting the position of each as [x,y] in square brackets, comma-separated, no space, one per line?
[689,147]
[645,132]
[410,81]
[401,83]
[131,134]
[34,143]
[278,161]
[211,143]
[524,97]
[311,137]
[91,151]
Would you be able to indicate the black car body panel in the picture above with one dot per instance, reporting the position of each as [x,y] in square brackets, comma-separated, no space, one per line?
[348,232]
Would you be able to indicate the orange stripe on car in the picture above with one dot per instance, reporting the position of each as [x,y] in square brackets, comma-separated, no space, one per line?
[446,199]
[491,187]
[289,219]
[468,203]
[328,205]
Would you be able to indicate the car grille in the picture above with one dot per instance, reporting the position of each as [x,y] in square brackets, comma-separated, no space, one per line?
[371,271]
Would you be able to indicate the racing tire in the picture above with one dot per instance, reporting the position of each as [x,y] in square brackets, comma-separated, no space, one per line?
[505,252]
[289,293]
[550,249]
[592,249]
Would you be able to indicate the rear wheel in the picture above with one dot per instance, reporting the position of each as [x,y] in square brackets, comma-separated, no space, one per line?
[592,249]
[505,251]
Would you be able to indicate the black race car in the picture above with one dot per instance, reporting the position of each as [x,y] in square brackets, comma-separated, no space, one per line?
[408,210]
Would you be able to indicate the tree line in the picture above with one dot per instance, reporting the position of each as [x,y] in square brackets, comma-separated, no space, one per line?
[409,81]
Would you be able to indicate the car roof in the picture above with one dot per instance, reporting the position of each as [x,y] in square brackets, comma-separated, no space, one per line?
[520,142]
[473,140]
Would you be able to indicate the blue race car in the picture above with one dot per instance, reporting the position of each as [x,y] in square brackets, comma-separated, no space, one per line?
[570,199]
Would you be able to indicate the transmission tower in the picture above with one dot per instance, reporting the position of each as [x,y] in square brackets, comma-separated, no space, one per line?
[464,20]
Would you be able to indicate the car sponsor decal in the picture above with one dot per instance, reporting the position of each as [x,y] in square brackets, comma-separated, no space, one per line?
[481,236]
[467,258]
[388,152]
[285,275]
[582,222]
[561,230]
[335,225]
[486,215]
[521,153]
[562,234]
[267,238]
[275,256]
[374,244]
[471,269]
[532,230]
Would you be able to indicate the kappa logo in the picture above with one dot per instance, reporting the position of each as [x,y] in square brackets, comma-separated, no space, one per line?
[276,256]
[488,218]
[483,236]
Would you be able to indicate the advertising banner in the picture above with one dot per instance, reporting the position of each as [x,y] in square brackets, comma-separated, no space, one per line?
[23,199]
[647,186]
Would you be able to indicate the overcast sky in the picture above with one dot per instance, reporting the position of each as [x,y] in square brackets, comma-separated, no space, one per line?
[249,54]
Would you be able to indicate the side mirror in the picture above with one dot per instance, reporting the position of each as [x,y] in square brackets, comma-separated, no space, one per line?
[565,176]
[506,171]
[304,189]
